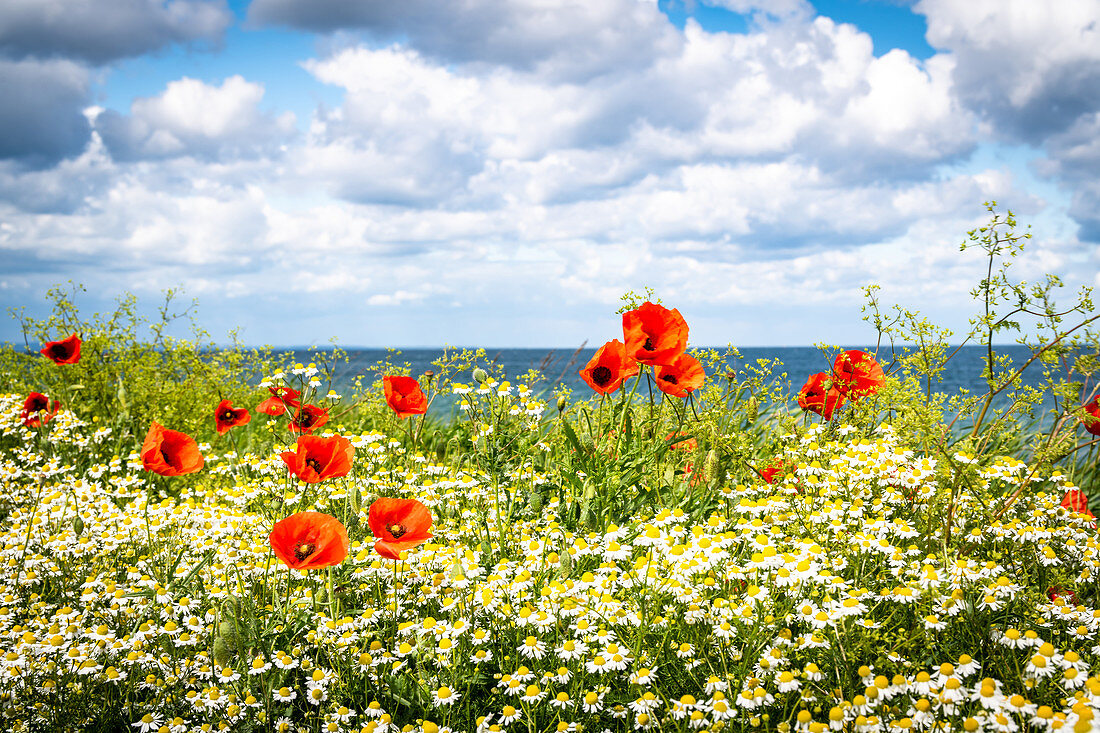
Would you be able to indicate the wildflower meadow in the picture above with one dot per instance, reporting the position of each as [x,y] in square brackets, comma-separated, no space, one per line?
[197,539]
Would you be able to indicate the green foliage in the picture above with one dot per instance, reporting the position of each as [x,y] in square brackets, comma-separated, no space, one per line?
[132,371]
[935,517]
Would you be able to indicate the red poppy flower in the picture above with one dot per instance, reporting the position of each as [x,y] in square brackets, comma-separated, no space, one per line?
[1055,592]
[66,351]
[227,416]
[308,540]
[307,418]
[654,334]
[404,396]
[819,397]
[317,458]
[609,368]
[1077,501]
[856,374]
[280,401]
[774,468]
[682,376]
[170,452]
[399,524]
[1092,416]
[38,410]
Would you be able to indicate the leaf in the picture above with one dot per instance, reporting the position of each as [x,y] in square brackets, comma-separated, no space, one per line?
[571,436]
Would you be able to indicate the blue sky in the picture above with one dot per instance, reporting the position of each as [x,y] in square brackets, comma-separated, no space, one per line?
[476,173]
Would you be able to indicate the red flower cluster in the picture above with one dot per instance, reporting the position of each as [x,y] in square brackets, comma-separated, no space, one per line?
[609,368]
[227,416]
[775,468]
[309,540]
[307,418]
[404,396]
[316,459]
[66,351]
[1092,416]
[820,396]
[1077,501]
[281,401]
[399,524]
[170,452]
[855,374]
[652,335]
[38,409]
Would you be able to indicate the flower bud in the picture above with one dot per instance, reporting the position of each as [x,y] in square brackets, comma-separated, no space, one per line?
[78,525]
[122,396]
[222,652]
[480,375]
[227,632]
[710,467]
[752,410]
[353,498]
[562,402]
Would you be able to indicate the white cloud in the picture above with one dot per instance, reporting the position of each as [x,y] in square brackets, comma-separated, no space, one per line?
[194,118]
[781,168]
[1030,67]
[42,119]
[99,32]
[559,39]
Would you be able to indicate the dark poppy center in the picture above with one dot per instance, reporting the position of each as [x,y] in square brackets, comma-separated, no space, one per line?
[302,550]
[397,530]
[168,458]
[304,419]
[648,345]
[37,405]
[228,415]
[61,351]
[601,375]
[670,378]
[314,464]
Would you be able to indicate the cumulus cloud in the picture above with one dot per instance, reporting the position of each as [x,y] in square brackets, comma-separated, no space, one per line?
[571,39]
[196,119]
[98,32]
[60,189]
[42,119]
[1032,72]
[415,132]
[468,169]
[1029,68]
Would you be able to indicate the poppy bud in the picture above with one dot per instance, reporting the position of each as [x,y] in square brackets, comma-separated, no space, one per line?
[480,375]
[227,632]
[710,467]
[562,402]
[222,652]
[78,525]
[752,410]
[122,397]
[322,595]
[353,499]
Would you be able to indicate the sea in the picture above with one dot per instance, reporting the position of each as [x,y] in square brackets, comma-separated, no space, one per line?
[562,366]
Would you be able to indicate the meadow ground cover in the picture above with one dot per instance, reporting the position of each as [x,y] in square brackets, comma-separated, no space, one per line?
[683,549]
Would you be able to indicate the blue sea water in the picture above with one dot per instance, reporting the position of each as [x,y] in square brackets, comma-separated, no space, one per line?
[563,366]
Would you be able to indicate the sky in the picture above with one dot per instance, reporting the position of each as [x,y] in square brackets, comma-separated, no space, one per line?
[499,172]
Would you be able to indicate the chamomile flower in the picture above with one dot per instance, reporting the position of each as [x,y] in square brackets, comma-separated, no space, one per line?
[444,696]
